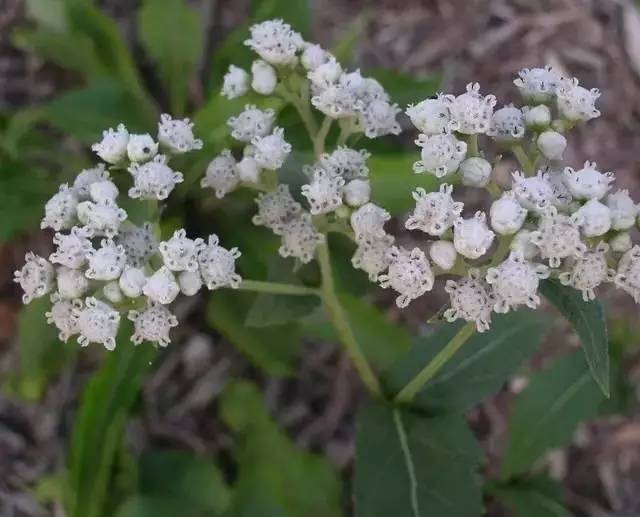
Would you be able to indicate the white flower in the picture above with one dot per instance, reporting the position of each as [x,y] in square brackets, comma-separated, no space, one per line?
[523,244]
[72,248]
[222,174]
[443,254]
[621,242]
[623,210]
[431,116]
[180,253]
[36,277]
[576,103]
[71,283]
[471,112]
[272,150]
[588,182]
[507,215]
[161,287]
[471,300]
[595,218]
[275,42]
[324,192]
[515,282]
[313,56]
[86,178]
[141,148]
[409,274]
[61,315]
[378,118]
[537,84]
[475,172]
[472,237]
[154,179]
[97,322]
[507,124]
[152,324]
[325,75]
[628,273]
[589,271]
[346,162]
[552,144]
[534,193]
[263,77]
[112,292]
[100,219]
[275,209]
[177,135]
[562,198]
[357,192]
[537,117]
[218,265]
[60,210]
[372,255]
[300,238]
[336,101]
[248,170]
[235,83]
[139,243]
[558,236]
[113,146]
[368,222]
[132,281]
[251,122]
[441,154]
[435,212]
[107,262]
[190,282]
[103,192]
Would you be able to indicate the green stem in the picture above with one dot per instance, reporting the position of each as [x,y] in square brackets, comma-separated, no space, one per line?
[341,323]
[416,384]
[472,143]
[301,104]
[523,159]
[277,288]
[321,136]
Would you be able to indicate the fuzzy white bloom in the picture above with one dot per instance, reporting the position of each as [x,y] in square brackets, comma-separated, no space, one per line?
[103,192]
[378,118]
[475,172]
[161,287]
[588,182]
[248,170]
[180,253]
[132,281]
[336,101]
[471,112]
[177,135]
[235,83]
[113,146]
[61,315]
[60,210]
[537,117]
[275,209]
[589,271]
[435,212]
[472,237]
[507,124]
[71,248]
[107,262]
[139,243]
[313,56]
[325,75]
[263,77]
[357,192]
[71,283]
[443,254]
[368,222]
[152,324]
[621,242]
[552,144]
[97,322]
[576,103]
[275,42]
[300,238]
[515,283]
[471,300]
[190,282]
[99,219]
[324,193]
[534,193]
[36,277]
[562,198]
[141,148]
[507,215]
[524,245]
[623,210]
[346,162]
[251,122]
[537,84]
[222,174]
[558,236]
[86,178]
[431,116]
[628,273]
[272,150]
[372,255]
[218,265]
[409,274]
[154,179]
[595,218]
[441,154]
[112,292]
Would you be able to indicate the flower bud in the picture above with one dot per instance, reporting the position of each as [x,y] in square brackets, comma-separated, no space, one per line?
[190,282]
[475,172]
[248,170]
[552,145]
[141,148]
[537,117]
[314,56]
[264,78]
[112,292]
[132,281]
[443,254]
[235,83]
[621,242]
[357,192]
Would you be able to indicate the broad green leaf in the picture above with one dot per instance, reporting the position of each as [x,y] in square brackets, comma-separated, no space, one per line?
[539,496]
[297,14]
[411,465]
[403,88]
[589,321]
[547,412]
[275,478]
[47,13]
[277,309]
[175,52]
[139,505]
[479,368]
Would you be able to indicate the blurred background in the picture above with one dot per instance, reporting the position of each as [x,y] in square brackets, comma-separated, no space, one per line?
[70,68]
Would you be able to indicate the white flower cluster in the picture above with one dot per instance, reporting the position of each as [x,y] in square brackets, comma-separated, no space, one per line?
[104,265]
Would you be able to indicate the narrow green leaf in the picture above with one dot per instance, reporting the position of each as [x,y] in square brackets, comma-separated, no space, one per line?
[410,465]
[589,321]
[538,496]
[345,47]
[271,309]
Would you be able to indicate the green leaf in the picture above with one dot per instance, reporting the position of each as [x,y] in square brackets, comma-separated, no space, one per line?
[297,14]
[403,88]
[547,412]
[159,506]
[589,321]
[175,52]
[479,369]
[410,465]
[275,478]
[271,309]
[345,47]
[538,496]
